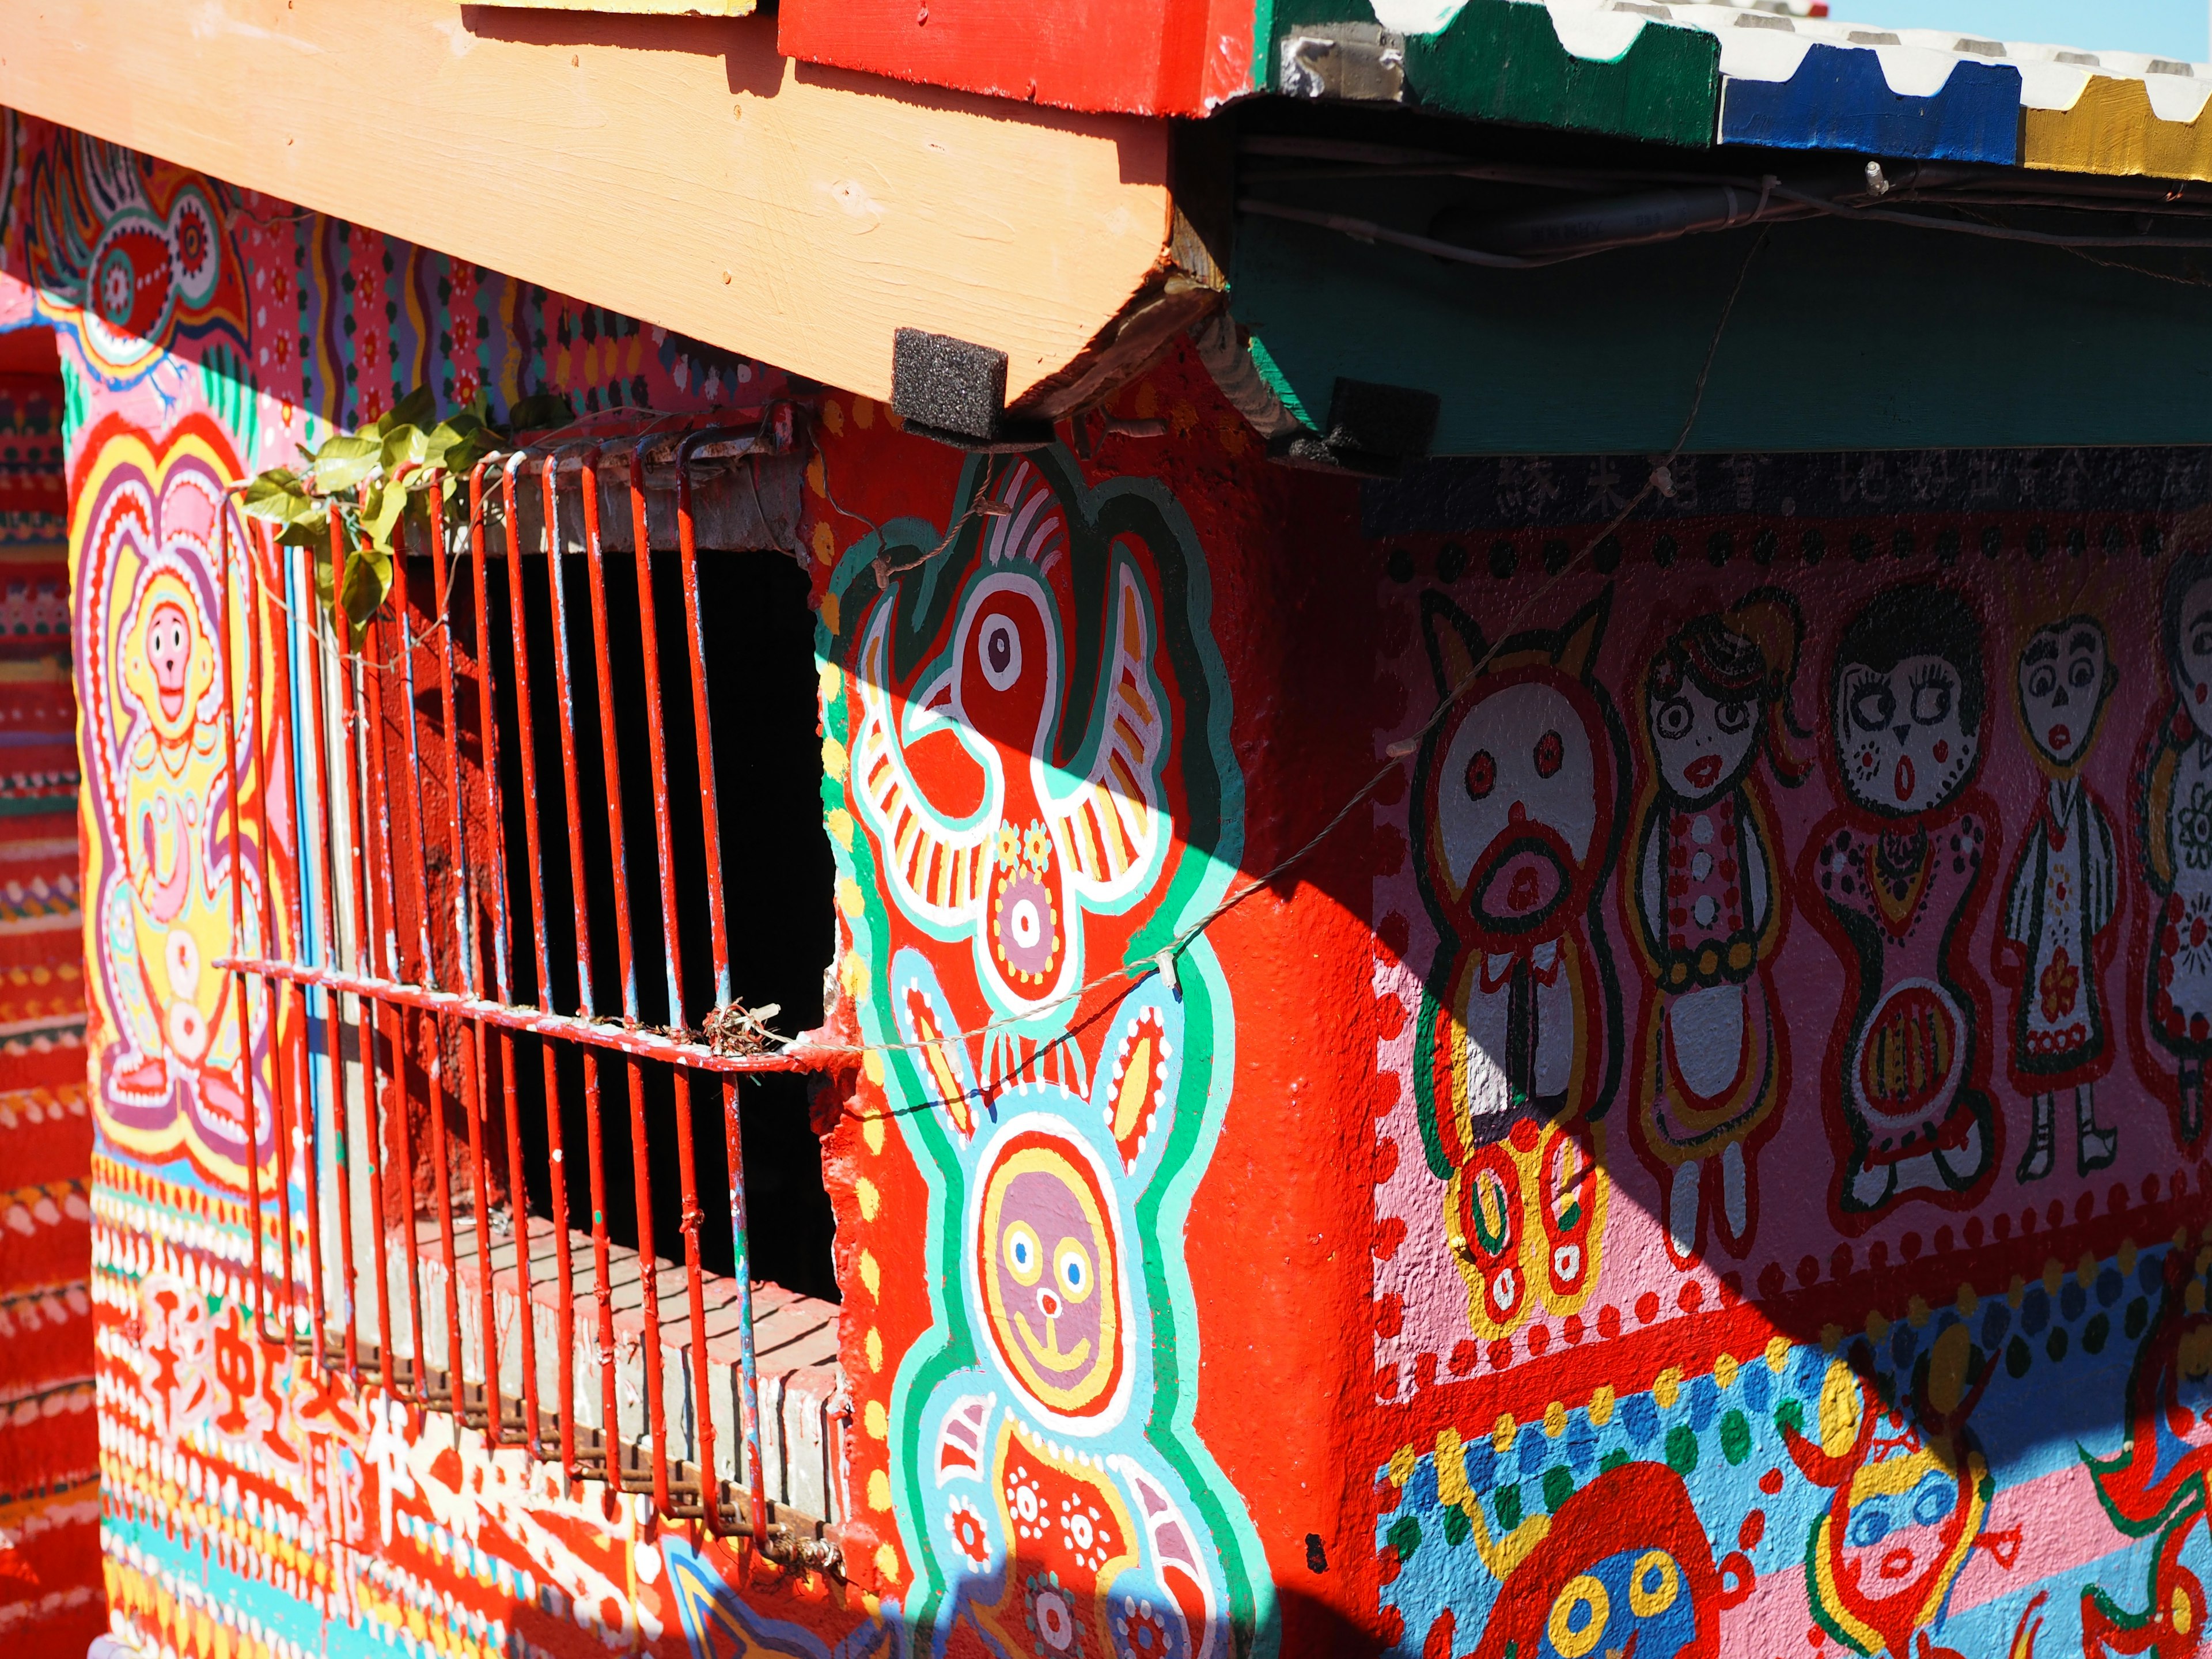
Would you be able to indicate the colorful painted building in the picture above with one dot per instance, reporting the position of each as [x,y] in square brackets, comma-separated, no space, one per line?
[1166,831]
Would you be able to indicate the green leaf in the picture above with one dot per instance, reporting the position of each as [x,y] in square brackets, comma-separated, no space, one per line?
[404,446]
[345,460]
[418,408]
[367,580]
[277,495]
[539,411]
[380,509]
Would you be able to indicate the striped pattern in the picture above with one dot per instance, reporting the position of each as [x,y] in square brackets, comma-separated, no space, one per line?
[51,1598]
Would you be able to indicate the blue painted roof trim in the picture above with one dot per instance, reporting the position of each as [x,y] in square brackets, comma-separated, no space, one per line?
[1839,100]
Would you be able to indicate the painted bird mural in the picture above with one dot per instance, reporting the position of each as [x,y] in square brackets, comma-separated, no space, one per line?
[1008,807]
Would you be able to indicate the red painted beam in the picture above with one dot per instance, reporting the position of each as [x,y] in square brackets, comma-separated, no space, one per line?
[1129,56]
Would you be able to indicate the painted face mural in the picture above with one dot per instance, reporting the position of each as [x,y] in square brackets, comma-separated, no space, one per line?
[1018,829]
[1520,1028]
[1911,1488]
[1709,912]
[2176,824]
[174,1074]
[1902,878]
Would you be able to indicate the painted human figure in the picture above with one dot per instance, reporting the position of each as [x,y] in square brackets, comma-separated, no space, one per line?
[176,852]
[2175,827]
[1716,697]
[1518,1054]
[1911,1490]
[2057,935]
[1901,871]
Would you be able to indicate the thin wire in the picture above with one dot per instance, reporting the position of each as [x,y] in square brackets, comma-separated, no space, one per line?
[1660,479]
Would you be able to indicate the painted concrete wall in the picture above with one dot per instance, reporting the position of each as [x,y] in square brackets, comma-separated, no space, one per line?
[1702,1155]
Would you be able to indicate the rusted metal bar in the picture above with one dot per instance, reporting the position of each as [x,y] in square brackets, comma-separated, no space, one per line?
[373,1098]
[471,1032]
[626,960]
[672,954]
[601,1259]
[383,862]
[323,816]
[526,750]
[687,553]
[495,939]
[441,1087]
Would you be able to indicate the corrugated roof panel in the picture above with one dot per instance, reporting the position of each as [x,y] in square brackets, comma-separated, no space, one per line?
[2112,112]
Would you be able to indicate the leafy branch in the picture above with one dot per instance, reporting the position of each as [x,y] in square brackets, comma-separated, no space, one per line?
[404,463]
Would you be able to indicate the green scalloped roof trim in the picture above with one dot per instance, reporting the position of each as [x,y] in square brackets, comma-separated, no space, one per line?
[1502,60]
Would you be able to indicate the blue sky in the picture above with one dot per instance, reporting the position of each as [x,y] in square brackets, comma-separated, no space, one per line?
[2168,28]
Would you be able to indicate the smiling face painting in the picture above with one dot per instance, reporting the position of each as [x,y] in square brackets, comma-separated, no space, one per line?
[1050,1272]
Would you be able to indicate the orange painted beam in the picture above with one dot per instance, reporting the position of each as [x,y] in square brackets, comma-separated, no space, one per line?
[677,169]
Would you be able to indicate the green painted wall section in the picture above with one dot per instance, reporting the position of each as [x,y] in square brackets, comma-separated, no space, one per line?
[1845,337]
[1502,60]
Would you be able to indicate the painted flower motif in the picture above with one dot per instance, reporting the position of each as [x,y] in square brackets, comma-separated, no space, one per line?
[1140,1632]
[1028,929]
[970,1535]
[2192,828]
[1025,1503]
[1037,848]
[1010,845]
[1084,1533]
[2059,983]
[1049,1612]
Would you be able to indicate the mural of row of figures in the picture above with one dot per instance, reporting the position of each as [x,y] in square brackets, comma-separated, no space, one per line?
[1558,817]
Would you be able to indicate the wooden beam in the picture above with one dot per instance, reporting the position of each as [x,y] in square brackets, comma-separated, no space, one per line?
[676,169]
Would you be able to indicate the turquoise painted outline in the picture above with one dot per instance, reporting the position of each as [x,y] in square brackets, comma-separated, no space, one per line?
[1214,812]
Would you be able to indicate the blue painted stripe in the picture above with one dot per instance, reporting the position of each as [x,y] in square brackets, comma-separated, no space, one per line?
[1838,100]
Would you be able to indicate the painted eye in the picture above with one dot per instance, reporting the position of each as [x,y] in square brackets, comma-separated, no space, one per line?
[2200,642]
[1002,652]
[1481,775]
[1870,1526]
[1071,1268]
[2083,673]
[1654,1584]
[1579,1615]
[1931,702]
[1935,1499]
[1874,707]
[1024,1258]
[2043,682]
[1673,718]
[1550,754]
[1733,717]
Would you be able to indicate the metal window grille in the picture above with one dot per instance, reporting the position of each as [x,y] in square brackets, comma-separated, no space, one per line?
[399,1023]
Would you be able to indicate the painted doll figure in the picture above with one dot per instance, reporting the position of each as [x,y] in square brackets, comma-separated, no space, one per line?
[1518,1054]
[2175,826]
[2058,933]
[1901,872]
[1717,697]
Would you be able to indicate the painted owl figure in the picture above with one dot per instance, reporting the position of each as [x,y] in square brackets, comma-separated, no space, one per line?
[1519,1045]
[1012,802]
[1058,1526]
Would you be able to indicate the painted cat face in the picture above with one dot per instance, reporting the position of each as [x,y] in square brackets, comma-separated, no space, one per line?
[1051,1274]
[1518,805]
[1703,744]
[1904,744]
[2063,676]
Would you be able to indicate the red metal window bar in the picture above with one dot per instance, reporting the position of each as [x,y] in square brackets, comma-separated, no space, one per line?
[397,944]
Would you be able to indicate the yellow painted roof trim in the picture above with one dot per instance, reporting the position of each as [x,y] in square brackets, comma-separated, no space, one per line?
[2112,129]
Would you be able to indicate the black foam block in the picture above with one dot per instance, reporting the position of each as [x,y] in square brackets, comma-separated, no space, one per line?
[954,387]
[1392,422]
